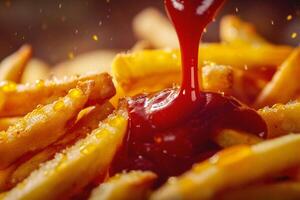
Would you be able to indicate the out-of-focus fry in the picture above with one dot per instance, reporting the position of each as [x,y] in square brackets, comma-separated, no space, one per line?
[91,62]
[237,32]
[35,70]
[84,126]
[233,167]
[142,63]
[152,26]
[21,99]
[285,83]
[134,185]
[248,84]
[74,168]
[282,119]
[228,137]
[274,191]
[216,78]
[12,67]
[7,122]
[42,126]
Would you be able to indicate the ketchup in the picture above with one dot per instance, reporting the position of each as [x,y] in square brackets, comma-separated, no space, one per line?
[171,130]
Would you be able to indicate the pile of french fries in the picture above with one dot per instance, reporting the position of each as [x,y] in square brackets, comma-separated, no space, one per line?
[61,126]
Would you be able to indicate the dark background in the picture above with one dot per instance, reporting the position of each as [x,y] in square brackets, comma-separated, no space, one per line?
[55,28]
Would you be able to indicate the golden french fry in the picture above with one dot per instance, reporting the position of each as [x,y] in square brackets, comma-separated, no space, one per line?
[152,26]
[12,67]
[42,126]
[91,62]
[23,170]
[282,119]
[23,98]
[216,78]
[285,83]
[235,31]
[7,122]
[274,191]
[144,63]
[134,185]
[228,137]
[84,126]
[233,167]
[35,70]
[75,167]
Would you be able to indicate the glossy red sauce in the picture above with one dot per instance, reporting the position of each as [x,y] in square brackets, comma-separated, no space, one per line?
[172,129]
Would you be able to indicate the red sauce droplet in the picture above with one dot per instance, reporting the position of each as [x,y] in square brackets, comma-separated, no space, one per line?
[171,130]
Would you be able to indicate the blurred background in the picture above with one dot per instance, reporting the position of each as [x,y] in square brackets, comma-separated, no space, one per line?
[57,27]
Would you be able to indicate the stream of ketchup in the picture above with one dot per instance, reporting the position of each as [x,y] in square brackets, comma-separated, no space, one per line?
[172,129]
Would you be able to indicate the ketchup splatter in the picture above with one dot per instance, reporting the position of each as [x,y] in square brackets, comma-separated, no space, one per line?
[171,130]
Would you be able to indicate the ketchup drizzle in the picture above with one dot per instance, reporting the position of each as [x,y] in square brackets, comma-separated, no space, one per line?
[171,130]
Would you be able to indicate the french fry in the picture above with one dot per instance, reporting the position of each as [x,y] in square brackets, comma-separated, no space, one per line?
[74,168]
[216,78]
[35,70]
[23,170]
[91,62]
[144,63]
[235,31]
[228,137]
[18,172]
[152,26]
[42,126]
[233,167]
[282,119]
[7,122]
[274,191]
[12,67]
[248,84]
[80,130]
[134,185]
[285,83]
[23,98]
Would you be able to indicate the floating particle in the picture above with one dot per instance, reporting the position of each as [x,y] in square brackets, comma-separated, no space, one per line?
[95,37]
[289,17]
[294,35]
[71,55]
